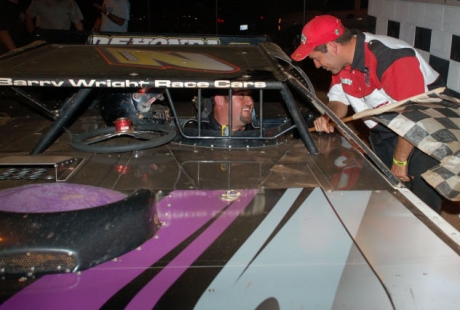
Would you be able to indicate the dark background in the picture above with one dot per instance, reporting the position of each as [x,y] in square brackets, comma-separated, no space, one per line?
[210,16]
[213,17]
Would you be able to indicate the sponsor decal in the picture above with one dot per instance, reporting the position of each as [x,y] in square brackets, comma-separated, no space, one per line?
[101,83]
[153,40]
[165,60]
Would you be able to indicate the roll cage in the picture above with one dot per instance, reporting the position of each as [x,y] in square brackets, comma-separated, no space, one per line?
[169,64]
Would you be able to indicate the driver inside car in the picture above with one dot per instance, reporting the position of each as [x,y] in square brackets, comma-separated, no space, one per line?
[242,110]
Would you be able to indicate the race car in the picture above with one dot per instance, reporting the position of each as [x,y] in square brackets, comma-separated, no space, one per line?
[110,201]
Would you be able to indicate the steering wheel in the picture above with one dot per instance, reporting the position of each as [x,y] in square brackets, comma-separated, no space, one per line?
[138,137]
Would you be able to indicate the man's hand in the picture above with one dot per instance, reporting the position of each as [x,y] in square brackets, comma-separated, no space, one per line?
[401,173]
[322,124]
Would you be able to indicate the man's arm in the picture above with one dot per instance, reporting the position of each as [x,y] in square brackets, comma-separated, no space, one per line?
[401,80]
[30,23]
[116,19]
[6,39]
[79,26]
[322,122]
[400,156]
[97,24]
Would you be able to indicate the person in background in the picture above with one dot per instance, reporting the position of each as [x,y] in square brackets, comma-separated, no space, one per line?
[114,16]
[369,71]
[53,14]
[9,18]
[242,108]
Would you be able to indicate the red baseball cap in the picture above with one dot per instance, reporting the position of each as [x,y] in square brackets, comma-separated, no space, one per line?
[318,31]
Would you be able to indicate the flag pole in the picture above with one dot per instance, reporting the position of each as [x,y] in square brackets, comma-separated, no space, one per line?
[424,97]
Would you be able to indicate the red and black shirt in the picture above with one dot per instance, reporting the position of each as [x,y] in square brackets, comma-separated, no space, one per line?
[384,70]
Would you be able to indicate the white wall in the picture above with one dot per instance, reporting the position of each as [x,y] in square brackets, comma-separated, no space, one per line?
[442,19]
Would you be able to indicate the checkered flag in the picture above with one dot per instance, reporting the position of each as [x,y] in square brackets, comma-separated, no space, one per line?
[434,128]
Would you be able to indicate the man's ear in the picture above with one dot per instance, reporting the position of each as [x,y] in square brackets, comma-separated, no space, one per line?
[218,101]
[332,47]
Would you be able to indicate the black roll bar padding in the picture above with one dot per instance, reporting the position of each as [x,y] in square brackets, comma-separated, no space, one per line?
[200,96]
[68,109]
[261,112]
[299,121]
[230,109]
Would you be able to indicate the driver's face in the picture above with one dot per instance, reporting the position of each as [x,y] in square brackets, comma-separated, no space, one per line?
[242,106]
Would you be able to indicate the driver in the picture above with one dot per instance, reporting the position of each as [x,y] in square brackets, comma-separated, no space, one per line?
[242,109]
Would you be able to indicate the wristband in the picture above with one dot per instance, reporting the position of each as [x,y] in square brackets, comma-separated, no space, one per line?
[399,163]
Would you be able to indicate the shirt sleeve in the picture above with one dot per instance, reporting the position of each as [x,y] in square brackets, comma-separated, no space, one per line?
[32,9]
[77,16]
[122,9]
[336,92]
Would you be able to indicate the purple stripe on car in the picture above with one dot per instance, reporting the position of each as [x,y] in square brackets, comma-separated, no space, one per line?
[182,212]
[153,291]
